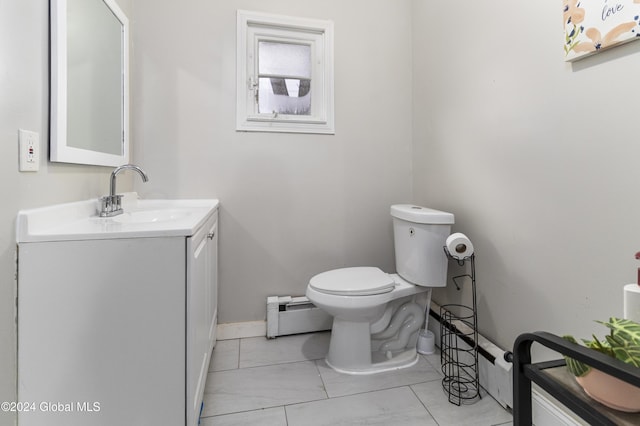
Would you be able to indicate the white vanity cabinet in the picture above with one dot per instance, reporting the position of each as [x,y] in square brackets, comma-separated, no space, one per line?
[116,320]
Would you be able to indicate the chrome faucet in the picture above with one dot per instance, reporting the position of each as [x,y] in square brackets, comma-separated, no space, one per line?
[112,203]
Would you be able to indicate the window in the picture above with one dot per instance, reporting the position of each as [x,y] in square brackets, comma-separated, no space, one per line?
[285,74]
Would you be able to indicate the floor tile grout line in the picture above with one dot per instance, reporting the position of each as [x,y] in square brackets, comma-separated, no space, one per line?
[422,402]
[324,385]
[232,413]
[267,408]
[280,363]
[264,366]
[240,366]
[377,390]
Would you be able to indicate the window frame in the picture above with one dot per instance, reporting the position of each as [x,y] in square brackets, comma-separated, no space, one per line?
[254,27]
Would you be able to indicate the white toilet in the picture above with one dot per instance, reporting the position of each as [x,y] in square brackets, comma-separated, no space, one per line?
[376,319]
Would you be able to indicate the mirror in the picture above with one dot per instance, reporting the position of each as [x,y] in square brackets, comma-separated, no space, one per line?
[89,83]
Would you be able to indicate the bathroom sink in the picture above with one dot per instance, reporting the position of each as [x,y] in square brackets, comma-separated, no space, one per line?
[151,216]
[141,218]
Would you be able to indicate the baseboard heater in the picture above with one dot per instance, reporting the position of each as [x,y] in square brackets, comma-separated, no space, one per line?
[293,315]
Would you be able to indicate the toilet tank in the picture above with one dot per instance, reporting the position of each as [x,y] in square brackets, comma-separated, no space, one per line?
[419,236]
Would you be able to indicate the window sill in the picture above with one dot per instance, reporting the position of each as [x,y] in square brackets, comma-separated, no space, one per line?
[286,126]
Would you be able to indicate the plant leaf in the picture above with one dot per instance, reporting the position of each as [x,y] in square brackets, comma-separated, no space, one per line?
[599,346]
[622,343]
[626,329]
[625,350]
[576,368]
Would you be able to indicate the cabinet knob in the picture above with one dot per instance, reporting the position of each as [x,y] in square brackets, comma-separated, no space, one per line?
[210,235]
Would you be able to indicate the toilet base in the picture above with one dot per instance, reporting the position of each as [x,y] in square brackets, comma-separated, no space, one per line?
[350,351]
[380,363]
[354,350]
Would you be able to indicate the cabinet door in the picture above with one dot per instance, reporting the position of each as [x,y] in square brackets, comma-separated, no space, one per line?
[202,311]
[198,266]
[212,281]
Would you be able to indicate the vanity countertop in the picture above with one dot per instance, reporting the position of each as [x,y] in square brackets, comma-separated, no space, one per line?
[141,219]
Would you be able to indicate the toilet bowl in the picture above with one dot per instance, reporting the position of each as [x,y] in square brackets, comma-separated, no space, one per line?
[358,307]
[376,319]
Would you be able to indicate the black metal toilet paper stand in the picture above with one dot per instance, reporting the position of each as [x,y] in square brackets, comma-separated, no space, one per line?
[459,342]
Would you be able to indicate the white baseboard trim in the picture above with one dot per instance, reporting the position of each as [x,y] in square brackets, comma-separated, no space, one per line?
[238,330]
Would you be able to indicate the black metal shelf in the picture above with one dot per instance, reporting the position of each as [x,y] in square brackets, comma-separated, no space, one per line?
[553,377]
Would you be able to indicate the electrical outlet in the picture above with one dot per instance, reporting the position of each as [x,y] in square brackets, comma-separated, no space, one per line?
[29,151]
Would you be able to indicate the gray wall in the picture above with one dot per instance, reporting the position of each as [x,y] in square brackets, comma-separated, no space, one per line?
[537,158]
[24,103]
[292,205]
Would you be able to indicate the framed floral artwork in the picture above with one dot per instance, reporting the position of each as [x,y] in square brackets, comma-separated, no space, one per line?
[591,26]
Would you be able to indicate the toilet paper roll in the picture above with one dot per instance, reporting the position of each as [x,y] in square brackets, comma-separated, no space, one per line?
[459,245]
[632,302]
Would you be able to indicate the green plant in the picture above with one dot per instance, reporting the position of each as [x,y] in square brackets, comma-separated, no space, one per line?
[622,343]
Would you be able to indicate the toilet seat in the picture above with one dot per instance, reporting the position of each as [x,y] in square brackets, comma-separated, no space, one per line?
[358,281]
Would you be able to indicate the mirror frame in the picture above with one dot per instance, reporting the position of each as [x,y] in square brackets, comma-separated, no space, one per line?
[59,150]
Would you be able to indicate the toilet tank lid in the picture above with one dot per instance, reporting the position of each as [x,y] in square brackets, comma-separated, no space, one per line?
[417,214]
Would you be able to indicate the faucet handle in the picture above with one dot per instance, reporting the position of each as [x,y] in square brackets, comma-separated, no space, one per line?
[104,202]
[111,205]
[117,203]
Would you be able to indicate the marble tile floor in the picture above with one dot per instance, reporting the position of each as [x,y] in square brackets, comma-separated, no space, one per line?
[285,382]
